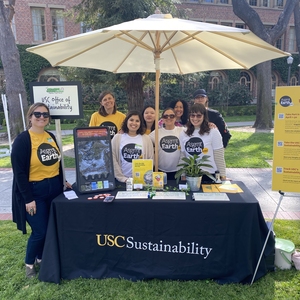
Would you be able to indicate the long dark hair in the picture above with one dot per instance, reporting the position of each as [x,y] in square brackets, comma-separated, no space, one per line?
[153,125]
[101,109]
[124,127]
[185,115]
[204,128]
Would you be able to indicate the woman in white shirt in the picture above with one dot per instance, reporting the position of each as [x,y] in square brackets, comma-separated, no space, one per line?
[168,144]
[131,143]
[198,138]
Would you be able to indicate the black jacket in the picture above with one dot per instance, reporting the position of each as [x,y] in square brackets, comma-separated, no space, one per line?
[215,117]
[21,191]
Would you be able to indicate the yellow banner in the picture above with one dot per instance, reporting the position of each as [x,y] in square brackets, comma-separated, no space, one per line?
[286,146]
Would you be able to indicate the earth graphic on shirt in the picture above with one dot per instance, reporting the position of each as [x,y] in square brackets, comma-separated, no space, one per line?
[169,143]
[113,129]
[48,155]
[194,145]
[131,151]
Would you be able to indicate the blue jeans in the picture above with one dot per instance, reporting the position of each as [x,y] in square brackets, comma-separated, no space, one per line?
[44,192]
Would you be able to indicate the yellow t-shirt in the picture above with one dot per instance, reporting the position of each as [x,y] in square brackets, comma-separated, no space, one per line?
[114,121]
[45,157]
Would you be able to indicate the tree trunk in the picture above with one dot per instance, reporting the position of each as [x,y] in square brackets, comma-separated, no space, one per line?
[245,12]
[297,29]
[134,89]
[14,84]
[264,99]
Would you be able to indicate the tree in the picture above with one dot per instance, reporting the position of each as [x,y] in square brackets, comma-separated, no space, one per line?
[10,58]
[264,98]
[251,18]
[97,14]
[297,27]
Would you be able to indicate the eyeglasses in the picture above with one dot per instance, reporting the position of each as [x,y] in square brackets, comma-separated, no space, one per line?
[38,114]
[198,116]
[168,116]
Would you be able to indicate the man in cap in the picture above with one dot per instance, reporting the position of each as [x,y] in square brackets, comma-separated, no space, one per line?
[214,116]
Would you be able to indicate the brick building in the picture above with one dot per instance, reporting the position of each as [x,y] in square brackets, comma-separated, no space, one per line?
[221,12]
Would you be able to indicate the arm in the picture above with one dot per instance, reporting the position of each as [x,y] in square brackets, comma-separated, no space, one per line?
[20,160]
[216,118]
[115,143]
[220,162]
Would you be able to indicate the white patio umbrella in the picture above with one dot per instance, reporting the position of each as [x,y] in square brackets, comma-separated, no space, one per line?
[158,44]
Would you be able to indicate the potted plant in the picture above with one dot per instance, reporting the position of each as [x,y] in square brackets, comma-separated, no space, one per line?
[191,167]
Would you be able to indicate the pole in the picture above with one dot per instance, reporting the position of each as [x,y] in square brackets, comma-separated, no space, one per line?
[289,75]
[4,101]
[21,105]
[299,75]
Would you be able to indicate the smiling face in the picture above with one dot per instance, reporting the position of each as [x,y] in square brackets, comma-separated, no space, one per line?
[133,124]
[149,115]
[196,118]
[39,118]
[108,102]
[178,110]
[169,118]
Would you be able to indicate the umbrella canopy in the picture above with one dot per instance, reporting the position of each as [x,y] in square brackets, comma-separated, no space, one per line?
[183,47]
[157,44]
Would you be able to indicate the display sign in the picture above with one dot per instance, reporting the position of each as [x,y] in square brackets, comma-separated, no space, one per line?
[63,98]
[93,155]
[142,170]
[286,147]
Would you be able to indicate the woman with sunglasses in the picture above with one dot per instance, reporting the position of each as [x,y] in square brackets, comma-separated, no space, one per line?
[168,144]
[37,180]
[131,143]
[200,139]
[181,110]
[108,115]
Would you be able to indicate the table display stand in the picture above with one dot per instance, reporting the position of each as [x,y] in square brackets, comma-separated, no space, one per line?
[269,232]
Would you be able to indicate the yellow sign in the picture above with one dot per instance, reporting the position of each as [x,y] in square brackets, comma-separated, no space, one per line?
[158,180]
[142,170]
[286,146]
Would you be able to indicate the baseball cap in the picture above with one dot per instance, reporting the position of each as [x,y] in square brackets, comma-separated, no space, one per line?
[200,92]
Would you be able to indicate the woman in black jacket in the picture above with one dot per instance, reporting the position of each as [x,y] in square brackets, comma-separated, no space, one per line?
[37,180]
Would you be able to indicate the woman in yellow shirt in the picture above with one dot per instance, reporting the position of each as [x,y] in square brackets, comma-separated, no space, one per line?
[108,115]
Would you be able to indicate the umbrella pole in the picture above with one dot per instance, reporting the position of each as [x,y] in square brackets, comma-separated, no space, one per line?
[157,76]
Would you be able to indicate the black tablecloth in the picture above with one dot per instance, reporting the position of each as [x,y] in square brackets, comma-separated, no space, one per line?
[165,239]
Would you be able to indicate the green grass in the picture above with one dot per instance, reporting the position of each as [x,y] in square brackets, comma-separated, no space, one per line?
[281,284]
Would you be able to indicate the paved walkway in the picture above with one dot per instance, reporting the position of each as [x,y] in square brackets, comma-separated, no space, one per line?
[259,181]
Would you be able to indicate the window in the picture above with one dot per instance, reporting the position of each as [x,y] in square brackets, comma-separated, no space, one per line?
[58,24]
[253,2]
[245,79]
[279,43]
[265,3]
[208,1]
[224,1]
[226,24]
[242,26]
[279,3]
[292,40]
[38,24]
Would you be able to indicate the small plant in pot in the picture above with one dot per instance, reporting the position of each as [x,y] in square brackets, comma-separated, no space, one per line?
[191,167]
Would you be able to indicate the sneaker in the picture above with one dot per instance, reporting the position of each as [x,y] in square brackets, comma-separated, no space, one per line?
[30,272]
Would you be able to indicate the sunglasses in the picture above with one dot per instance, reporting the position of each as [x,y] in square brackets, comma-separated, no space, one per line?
[168,116]
[38,114]
[198,116]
